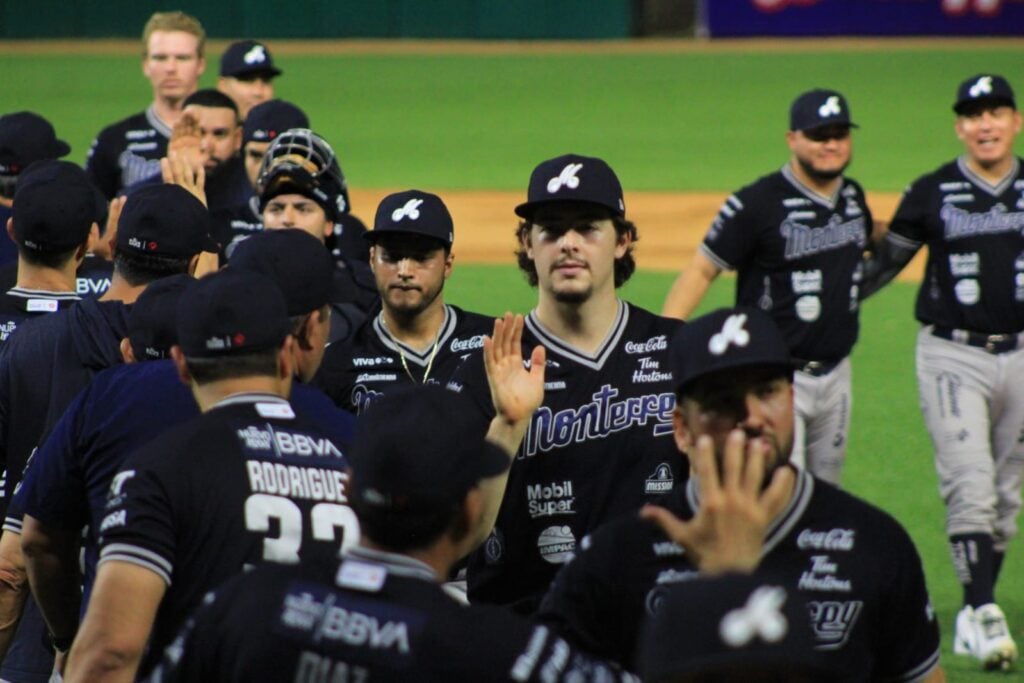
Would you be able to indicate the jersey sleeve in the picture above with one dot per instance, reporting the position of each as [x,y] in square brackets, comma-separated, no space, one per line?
[909,645]
[909,226]
[138,526]
[101,165]
[579,604]
[53,487]
[730,240]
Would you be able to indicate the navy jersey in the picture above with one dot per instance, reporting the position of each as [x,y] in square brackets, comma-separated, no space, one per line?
[854,565]
[370,363]
[92,279]
[974,279]
[601,444]
[19,304]
[127,151]
[381,617]
[245,482]
[42,369]
[8,249]
[798,257]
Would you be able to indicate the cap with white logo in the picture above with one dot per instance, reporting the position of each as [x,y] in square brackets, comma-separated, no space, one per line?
[817,108]
[413,212]
[985,88]
[573,178]
[247,57]
[726,339]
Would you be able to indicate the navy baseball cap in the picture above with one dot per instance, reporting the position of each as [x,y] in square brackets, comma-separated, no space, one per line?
[229,312]
[152,321]
[729,628]
[418,448]
[413,212]
[817,108]
[726,339]
[164,220]
[247,57]
[573,178]
[295,260]
[26,137]
[268,119]
[55,206]
[986,88]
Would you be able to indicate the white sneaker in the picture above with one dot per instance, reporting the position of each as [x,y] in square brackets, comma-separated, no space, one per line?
[993,645]
[963,639]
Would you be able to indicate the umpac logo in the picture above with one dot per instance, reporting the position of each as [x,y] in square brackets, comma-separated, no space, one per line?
[410,210]
[982,86]
[830,108]
[732,332]
[257,54]
[760,618]
[567,178]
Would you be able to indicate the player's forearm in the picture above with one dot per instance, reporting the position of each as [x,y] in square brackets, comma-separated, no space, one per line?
[689,288]
[97,662]
[13,588]
[883,265]
[51,560]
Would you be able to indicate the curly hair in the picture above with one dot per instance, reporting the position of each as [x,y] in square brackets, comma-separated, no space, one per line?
[624,266]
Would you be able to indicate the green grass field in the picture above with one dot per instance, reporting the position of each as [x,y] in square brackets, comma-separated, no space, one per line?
[700,120]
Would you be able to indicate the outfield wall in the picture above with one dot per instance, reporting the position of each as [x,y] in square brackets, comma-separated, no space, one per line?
[481,19]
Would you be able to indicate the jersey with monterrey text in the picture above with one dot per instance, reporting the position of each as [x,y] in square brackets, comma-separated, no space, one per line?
[368,364]
[127,151]
[798,257]
[854,565]
[599,445]
[974,279]
[245,482]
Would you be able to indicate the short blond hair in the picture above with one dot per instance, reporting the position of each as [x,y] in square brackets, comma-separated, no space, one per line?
[173,21]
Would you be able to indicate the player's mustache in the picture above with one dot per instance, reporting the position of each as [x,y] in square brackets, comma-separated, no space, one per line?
[569,262]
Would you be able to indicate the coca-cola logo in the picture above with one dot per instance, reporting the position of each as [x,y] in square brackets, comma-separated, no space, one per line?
[833,539]
[476,342]
[659,343]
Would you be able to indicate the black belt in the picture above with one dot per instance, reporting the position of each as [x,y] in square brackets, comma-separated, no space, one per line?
[992,343]
[815,368]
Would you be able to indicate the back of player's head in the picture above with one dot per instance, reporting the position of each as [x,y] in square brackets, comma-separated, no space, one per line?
[173,21]
[301,162]
[267,120]
[981,91]
[724,341]
[209,97]
[296,261]
[576,180]
[731,628]
[230,324]
[152,322]
[417,453]
[25,137]
[55,207]
[160,229]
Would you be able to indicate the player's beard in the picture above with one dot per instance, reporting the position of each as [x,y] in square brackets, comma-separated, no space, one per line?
[822,175]
[427,298]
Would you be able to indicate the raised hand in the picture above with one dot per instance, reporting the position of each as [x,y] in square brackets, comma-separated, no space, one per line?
[727,532]
[516,391]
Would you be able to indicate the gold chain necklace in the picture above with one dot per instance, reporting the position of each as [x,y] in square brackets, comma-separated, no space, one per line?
[401,356]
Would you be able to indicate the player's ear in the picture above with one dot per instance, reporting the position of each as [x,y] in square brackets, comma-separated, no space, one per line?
[680,431]
[178,356]
[127,355]
[449,261]
[286,358]
[10,230]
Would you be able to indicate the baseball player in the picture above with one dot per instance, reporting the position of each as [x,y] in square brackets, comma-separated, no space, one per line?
[54,224]
[130,150]
[301,161]
[420,510]
[854,565]
[969,349]
[247,74]
[248,480]
[416,337]
[600,444]
[796,239]
[25,137]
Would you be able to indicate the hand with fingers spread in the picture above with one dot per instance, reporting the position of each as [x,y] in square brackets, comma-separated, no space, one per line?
[516,391]
[105,246]
[727,532]
[185,137]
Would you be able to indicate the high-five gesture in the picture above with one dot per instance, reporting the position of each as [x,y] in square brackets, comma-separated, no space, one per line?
[516,390]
